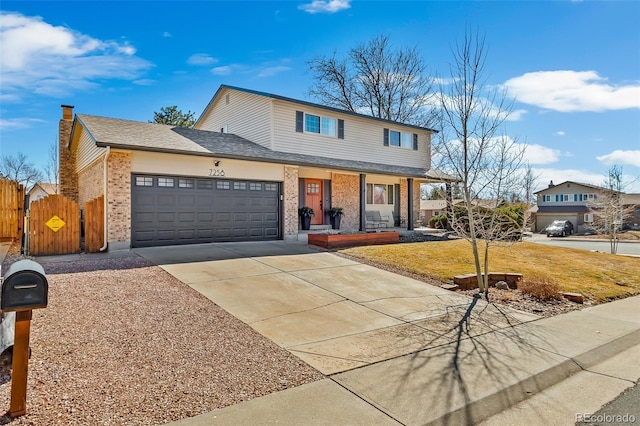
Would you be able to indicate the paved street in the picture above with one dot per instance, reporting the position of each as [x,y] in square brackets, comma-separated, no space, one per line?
[628,248]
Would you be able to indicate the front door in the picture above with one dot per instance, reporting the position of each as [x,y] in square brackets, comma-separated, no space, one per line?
[313,199]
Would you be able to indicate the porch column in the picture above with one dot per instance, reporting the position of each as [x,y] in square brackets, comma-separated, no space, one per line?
[363,201]
[410,204]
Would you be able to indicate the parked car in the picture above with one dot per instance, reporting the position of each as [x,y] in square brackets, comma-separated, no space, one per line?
[559,228]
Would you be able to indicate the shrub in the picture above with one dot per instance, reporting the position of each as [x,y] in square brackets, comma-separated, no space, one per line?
[540,287]
[438,222]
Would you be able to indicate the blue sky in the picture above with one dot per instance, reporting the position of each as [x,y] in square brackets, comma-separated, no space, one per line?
[573,67]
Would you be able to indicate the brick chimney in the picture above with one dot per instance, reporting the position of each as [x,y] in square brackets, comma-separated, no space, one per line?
[68,175]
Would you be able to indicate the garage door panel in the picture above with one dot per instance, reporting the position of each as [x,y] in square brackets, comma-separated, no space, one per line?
[165,217]
[187,200]
[205,217]
[168,200]
[205,210]
[165,234]
[186,234]
[186,217]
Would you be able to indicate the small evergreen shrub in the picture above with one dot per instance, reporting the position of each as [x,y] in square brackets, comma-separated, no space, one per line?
[438,222]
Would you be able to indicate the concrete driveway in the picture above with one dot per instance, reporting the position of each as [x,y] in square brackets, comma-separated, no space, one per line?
[334,313]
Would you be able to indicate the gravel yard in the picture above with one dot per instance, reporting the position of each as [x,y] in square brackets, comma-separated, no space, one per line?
[123,342]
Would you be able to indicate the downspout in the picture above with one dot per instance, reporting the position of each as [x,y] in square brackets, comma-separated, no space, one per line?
[106,203]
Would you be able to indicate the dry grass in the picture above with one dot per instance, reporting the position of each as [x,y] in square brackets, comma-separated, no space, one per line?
[540,287]
[598,276]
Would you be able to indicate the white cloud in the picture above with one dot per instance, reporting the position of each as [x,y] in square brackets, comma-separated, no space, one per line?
[560,133]
[271,71]
[325,6]
[38,57]
[629,157]
[571,91]
[144,82]
[18,123]
[225,70]
[201,59]
[538,154]
[166,34]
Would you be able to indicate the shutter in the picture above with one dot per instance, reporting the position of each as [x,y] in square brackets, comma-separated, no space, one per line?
[386,137]
[299,121]
[415,141]
[340,129]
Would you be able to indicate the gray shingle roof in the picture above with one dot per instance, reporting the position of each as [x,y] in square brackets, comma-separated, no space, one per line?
[137,135]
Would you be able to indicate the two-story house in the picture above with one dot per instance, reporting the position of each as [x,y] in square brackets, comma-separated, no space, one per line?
[241,174]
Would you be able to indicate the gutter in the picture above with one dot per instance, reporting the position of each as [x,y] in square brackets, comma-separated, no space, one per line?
[106,203]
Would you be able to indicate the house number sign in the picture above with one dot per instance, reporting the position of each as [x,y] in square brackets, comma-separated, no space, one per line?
[216,172]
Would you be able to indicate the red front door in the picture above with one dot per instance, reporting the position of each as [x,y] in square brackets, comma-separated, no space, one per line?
[313,199]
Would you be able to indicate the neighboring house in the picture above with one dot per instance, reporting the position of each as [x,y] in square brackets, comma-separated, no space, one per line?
[631,203]
[41,190]
[241,174]
[572,200]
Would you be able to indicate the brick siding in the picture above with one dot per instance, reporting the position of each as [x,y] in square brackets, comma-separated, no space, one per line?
[119,200]
[345,190]
[67,162]
[290,201]
[91,182]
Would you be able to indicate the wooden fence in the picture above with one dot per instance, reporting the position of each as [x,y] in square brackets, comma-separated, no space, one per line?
[11,209]
[54,226]
[94,225]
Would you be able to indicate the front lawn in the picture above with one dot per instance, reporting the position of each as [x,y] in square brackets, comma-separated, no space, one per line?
[598,276]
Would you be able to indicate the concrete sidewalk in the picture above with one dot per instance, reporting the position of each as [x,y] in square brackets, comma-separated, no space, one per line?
[592,355]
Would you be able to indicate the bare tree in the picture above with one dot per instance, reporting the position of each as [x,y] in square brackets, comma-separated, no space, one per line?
[375,79]
[528,183]
[19,169]
[471,149]
[52,168]
[608,210]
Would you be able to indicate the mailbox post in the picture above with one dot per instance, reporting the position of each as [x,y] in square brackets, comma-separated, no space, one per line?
[24,287]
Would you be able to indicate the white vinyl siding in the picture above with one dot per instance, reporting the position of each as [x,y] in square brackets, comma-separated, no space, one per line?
[245,114]
[87,151]
[363,139]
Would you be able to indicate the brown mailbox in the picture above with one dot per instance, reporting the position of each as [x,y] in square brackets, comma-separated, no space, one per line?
[24,287]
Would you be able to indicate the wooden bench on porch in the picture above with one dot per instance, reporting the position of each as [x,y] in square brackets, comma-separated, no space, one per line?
[376,221]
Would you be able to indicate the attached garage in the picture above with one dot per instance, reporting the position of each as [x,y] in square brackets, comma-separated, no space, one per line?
[169,210]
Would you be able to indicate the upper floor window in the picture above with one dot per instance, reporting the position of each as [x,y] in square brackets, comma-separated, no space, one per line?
[309,123]
[546,198]
[400,139]
[323,125]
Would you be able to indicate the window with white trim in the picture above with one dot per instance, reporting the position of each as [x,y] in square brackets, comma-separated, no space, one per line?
[379,193]
[322,125]
[588,217]
[400,139]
